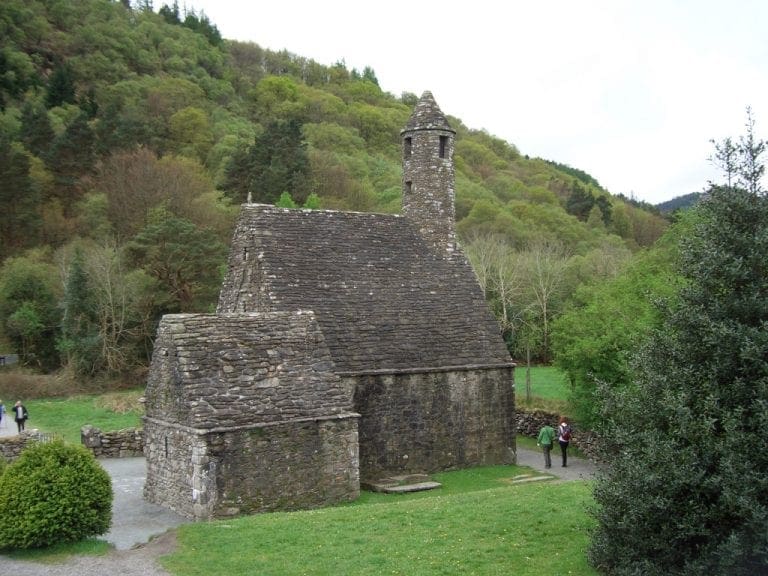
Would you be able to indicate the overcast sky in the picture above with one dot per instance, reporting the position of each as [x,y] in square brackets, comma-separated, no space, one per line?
[631,92]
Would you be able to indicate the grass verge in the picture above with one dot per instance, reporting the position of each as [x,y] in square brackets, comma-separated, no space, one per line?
[65,416]
[549,389]
[467,527]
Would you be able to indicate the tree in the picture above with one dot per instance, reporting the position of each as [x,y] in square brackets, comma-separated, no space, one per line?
[19,198]
[80,340]
[36,131]
[686,490]
[71,157]
[61,87]
[29,315]
[276,162]
[185,260]
[593,341]
[544,265]
[580,202]
[137,181]
[285,201]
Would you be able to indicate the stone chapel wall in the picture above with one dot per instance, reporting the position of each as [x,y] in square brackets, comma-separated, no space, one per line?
[429,421]
[244,414]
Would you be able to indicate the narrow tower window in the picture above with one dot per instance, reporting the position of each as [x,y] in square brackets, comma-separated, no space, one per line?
[443,144]
[408,185]
[407,147]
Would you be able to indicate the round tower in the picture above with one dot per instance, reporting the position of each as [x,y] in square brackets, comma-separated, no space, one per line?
[428,174]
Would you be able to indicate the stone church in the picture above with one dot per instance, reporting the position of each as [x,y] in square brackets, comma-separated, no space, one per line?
[346,346]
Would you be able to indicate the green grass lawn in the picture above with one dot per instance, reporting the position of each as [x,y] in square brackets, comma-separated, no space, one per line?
[477,524]
[65,416]
[549,389]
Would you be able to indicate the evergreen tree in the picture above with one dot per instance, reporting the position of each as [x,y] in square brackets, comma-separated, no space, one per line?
[285,201]
[61,87]
[276,162]
[36,130]
[79,325]
[186,261]
[686,489]
[580,202]
[19,217]
[170,13]
[72,156]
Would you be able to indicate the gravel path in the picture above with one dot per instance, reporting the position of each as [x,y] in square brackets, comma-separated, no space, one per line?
[140,560]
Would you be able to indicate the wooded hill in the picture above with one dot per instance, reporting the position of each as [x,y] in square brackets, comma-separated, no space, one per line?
[128,138]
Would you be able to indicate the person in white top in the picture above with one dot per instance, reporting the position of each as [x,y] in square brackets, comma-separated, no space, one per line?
[563,438]
[20,414]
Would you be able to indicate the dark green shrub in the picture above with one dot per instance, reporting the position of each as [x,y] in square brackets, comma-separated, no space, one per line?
[52,493]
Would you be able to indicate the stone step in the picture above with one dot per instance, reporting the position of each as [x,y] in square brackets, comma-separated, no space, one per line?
[406,488]
[524,479]
[401,484]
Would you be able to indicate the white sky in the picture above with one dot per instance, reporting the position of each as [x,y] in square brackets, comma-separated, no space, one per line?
[630,91]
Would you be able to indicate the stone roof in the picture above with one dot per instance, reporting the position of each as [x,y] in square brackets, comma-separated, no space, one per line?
[228,370]
[382,298]
[427,115]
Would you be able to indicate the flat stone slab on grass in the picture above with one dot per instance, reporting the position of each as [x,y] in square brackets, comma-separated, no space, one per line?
[402,484]
[525,478]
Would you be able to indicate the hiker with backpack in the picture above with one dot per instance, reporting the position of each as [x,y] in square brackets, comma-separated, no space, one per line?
[563,438]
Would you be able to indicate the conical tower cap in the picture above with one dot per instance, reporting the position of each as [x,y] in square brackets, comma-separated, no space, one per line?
[427,116]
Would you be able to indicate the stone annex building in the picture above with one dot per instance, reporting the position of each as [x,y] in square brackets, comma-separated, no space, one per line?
[345,347]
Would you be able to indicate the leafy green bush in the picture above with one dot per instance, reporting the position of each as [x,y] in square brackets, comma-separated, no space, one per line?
[54,492]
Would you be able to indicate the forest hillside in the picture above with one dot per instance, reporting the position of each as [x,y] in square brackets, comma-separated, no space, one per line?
[128,137]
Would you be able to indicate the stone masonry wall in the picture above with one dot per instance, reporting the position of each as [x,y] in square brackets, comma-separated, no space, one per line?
[431,421]
[285,466]
[12,446]
[126,443]
[245,414]
[529,424]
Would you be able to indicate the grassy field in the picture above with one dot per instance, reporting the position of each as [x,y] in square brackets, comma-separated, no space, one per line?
[65,417]
[549,389]
[477,524]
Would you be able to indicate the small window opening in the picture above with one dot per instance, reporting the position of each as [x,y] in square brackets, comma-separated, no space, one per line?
[407,147]
[443,144]
[408,186]
[166,446]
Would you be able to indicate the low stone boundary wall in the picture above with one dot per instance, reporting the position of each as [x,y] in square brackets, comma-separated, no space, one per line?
[125,443]
[529,424]
[12,446]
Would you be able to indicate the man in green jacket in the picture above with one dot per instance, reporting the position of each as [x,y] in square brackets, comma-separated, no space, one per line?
[545,440]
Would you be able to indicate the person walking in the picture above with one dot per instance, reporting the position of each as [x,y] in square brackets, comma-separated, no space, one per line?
[2,415]
[20,414]
[545,440]
[563,438]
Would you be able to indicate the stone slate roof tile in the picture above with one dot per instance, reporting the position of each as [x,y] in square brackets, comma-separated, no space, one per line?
[427,115]
[383,299]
